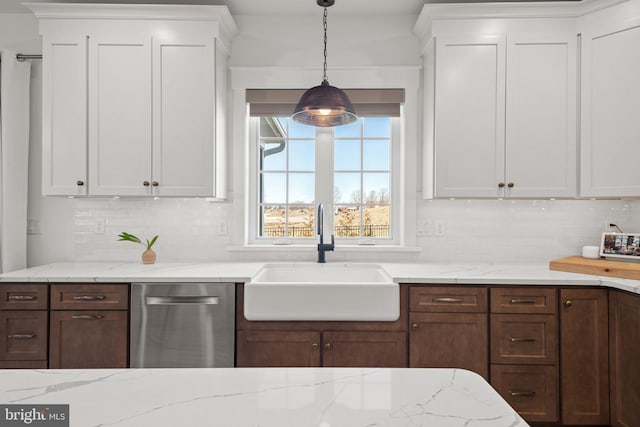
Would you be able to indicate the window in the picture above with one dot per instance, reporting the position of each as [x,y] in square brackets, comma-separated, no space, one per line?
[348,168]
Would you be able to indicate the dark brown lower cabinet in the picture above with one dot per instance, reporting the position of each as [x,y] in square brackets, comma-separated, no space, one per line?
[24,338]
[584,356]
[266,348]
[88,339]
[624,334]
[364,349]
[532,390]
[277,349]
[449,340]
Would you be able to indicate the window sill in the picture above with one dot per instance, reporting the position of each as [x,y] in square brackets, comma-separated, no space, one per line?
[310,248]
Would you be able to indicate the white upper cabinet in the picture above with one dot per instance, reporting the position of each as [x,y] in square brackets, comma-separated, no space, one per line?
[64,116]
[134,99]
[611,102]
[541,156]
[469,115]
[120,105]
[500,104]
[183,124]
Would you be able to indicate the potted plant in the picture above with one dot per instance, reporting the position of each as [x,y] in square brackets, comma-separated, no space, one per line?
[148,256]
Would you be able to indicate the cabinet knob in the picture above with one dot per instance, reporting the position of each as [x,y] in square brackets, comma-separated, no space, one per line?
[314,346]
[501,185]
[568,303]
[414,326]
[327,346]
[79,183]
[146,183]
[510,185]
[155,183]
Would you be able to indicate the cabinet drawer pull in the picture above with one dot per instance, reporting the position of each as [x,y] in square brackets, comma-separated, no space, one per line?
[87,316]
[328,346]
[448,300]
[501,185]
[79,183]
[414,326]
[510,185]
[522,393]
[155,183]
[568,303]
[21,336]
[314,346]
[522,339]
[89,297]
[22,297]
[522,301]
[146,183]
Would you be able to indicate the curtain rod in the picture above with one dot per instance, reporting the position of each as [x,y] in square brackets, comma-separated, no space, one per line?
[21,57]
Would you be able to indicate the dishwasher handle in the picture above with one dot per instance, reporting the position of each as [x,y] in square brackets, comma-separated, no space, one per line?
[182,299]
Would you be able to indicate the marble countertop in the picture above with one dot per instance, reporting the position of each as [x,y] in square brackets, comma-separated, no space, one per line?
[467,273]
[319,397]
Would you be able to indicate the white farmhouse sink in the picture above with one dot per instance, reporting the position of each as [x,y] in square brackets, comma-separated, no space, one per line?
[312,291]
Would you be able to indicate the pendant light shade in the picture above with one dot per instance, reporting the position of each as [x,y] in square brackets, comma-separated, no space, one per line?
[324,105]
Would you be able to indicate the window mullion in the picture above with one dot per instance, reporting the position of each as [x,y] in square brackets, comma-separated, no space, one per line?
[324,175]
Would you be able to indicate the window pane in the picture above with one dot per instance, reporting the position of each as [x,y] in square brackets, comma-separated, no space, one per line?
[348,131]
[274,188]
[376,188]
[376,154]
[376,221]
[297,130]
[377,127]
[302,156]
[301,187]
[302,221]
[273,221]
[273,155]
[346,188]
[346,155]
[346,221]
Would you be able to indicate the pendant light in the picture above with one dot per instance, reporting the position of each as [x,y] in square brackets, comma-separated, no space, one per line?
[324,105]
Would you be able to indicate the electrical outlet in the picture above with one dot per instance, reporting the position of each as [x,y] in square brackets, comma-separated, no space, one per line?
[99,228]
[34,226]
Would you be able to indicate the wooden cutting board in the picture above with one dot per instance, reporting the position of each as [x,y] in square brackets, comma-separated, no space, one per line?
[598,267]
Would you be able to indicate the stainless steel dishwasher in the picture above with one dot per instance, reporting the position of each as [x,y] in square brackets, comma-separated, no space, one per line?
[182,325]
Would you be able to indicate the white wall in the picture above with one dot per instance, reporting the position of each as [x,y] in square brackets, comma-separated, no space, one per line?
[194,229]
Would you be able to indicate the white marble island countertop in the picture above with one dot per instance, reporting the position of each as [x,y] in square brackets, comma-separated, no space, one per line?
[282,397]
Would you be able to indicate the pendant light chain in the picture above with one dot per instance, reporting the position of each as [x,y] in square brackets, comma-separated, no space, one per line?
[324,24]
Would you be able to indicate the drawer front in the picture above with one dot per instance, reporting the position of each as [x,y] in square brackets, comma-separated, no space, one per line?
[450,299]
[20,296]
[90,297]
[23,335]
[531,390]
[524,338]
[524,300]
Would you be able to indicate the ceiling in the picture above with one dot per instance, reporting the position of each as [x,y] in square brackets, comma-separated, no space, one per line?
[270,7]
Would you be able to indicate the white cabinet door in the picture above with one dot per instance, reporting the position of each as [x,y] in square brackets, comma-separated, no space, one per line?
[119,116]
[64,120]
[541,148]
[469,116]
[183,117]
[610,131]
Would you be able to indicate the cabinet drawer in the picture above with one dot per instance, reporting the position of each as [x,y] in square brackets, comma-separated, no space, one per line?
[20,296]
[448,299]
[23,335]
[531,390]
[524,300]
[524,338]
[90,297]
